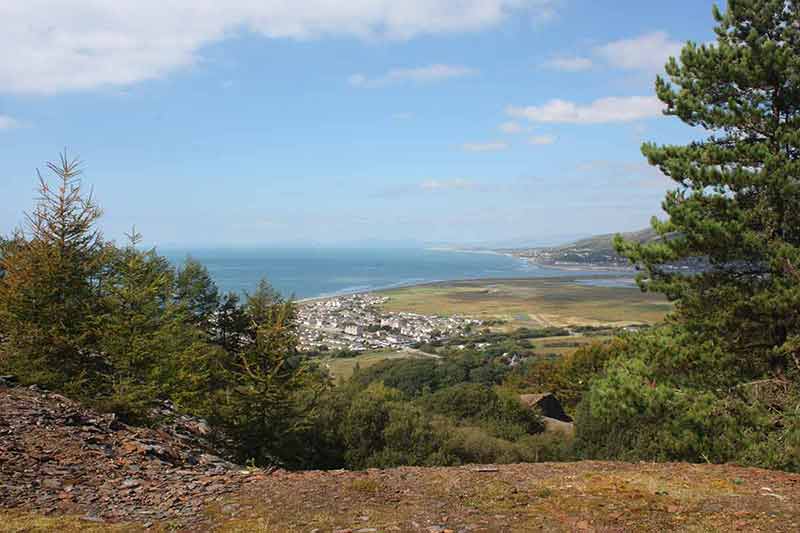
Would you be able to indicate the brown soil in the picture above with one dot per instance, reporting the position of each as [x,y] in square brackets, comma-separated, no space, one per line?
[65,468]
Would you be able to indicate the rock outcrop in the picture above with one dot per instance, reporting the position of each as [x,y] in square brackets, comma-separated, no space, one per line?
[59,457]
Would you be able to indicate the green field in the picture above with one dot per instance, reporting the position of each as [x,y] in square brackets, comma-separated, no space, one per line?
[564,345]
[532,302]
[342,367]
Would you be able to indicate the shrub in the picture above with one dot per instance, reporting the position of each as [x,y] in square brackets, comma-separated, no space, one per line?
[630,414]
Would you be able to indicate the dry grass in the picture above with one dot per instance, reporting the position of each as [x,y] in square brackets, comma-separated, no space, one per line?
[557,497]
[342,367]
[532,302]
[19,522]
[588,496]
[564,345]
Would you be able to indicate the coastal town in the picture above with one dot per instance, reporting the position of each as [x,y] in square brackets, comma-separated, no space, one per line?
[358,323]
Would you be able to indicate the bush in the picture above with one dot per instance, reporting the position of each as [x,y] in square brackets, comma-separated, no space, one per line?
[472,444]
[627,415]
[570,376]
[379,429]
[501,414]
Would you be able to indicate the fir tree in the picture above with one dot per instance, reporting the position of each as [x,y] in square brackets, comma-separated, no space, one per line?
[137,294]
[272,393]
[50,287]
[196,290]
[231,324]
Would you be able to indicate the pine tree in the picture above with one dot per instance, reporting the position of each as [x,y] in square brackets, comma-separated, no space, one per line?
[50,287]
[736,208]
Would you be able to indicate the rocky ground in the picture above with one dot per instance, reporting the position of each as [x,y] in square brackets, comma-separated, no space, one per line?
[57,457]
[65,468]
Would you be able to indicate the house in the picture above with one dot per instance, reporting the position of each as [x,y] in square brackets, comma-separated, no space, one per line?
[353,329]
[547,403]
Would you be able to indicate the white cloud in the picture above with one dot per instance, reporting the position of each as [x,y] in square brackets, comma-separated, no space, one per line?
[447,185]
[639,173]
[6,122]
[570,64]
[648,52]
[538,140]
[74,44]
[493,146]
[612,109]
[510,127]
[418,75]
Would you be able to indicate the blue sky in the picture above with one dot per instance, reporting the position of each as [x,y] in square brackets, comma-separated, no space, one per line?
[273,122]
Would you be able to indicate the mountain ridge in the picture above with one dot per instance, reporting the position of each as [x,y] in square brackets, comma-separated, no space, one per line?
[597,251]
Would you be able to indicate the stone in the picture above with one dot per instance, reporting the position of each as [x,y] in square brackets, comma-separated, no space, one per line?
[60,455]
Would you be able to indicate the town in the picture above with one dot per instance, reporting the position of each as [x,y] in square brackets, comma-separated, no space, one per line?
[358,323]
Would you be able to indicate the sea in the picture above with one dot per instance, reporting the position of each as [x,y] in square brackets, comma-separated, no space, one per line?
[320,272]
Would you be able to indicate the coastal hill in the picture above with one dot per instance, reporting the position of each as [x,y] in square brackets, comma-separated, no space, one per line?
[596,251]
[64,467]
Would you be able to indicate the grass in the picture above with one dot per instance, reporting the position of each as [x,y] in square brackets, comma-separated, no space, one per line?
[564,345]
[532,302]
[586,496]
[19,522]
[558,497]
[342,367]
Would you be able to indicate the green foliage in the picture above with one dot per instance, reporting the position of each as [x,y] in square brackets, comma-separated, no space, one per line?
[414,377]
[666,396]
[501,414]
[694,390]
[630,415]
[568,377]
[737,203]
[231,324]
[49,290]
[473,444]
[119,328]
[379,429]
[197,292]
[272,393]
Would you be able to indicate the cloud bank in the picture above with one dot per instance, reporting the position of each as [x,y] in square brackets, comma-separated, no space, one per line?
[541,140]
[604,110]
[494,146]
[74,44]
[6,122]
[648,52]
[418,75]
[570,64]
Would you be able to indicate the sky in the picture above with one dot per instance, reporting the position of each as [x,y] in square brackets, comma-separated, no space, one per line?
[358,122]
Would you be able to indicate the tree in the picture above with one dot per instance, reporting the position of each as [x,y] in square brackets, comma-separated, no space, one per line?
[51,284]
[231,324]
[736,208]
[261,305]
[137,296]
[149,341]
[272,395]
[196,290]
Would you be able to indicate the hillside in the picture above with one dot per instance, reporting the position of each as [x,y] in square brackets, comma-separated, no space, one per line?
[64,467]
[592,251]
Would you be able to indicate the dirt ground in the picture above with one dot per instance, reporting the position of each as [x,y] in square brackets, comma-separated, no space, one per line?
[559,497]
[585,496]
